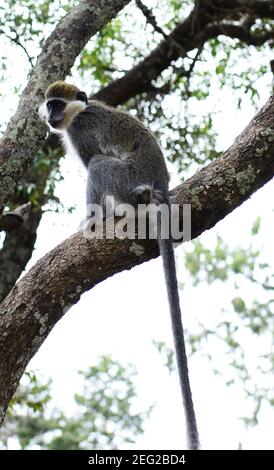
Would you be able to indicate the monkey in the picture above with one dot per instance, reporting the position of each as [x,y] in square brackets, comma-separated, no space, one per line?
[123,159]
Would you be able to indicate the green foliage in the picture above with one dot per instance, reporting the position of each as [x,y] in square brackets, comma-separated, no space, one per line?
[245,321]
[39,182]
[256,226]
[104,418]
[166,353]
[25,419]
[24,23]
[237,68]
[206,264]
[178,9]
[182,107]
[33,396]
[99,57]
[187,131]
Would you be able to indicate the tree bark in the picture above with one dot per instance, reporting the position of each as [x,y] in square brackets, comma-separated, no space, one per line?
[15,219]
[19,244]
[57,281]
[25,134]
[205,22]
[16,252]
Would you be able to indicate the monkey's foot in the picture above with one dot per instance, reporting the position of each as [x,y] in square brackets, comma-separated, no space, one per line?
[143,194]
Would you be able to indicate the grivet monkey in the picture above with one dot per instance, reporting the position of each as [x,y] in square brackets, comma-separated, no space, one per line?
[124,160]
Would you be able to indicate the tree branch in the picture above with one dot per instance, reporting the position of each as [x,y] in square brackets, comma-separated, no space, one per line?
[22,140]
[185,37]
[13,220]
[37,302]
[137,80]
[263,8]
[24,134]
[17,250]
[236,31]
[150,18]
[19,244]
[16,40]
[190,34]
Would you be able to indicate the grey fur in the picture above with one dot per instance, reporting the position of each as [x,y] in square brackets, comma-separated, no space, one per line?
[123,159]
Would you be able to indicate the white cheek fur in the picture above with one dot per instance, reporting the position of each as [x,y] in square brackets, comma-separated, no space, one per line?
[43,112]
[72,109]
[44,116]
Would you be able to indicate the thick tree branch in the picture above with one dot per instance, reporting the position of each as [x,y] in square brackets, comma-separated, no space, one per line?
[23,137]
[55,61]
[188,35]
[17,250]
[135,81]
[263,8]
[19,244]
[38,301]
[26,305]
[196,29]
[236,31]
[66,42]
[13,220]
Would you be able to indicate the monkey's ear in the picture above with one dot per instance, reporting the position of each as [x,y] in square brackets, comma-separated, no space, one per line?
[81,95]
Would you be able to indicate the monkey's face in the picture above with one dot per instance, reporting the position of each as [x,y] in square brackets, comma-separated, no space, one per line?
[55,111]
[59,112]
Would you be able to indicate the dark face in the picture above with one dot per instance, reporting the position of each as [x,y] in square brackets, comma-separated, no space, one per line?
[56,108]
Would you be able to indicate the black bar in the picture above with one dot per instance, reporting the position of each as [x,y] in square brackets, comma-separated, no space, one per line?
[117,458]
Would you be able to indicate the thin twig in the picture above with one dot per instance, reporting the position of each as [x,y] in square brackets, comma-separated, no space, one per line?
[17,41]
[152,20]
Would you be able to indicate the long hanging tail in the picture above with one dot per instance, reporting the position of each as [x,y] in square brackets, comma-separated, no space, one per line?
[167,253]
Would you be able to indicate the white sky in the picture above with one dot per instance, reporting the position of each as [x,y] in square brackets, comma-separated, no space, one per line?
[122,315]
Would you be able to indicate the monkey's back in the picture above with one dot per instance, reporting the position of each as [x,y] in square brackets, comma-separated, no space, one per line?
[119,134]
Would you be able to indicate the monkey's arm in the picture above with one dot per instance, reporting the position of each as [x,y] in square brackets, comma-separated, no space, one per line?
[86,147]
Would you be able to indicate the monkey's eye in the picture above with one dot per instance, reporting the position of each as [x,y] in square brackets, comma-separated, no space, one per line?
[57,105]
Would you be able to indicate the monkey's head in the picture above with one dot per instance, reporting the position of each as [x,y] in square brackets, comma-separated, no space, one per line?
[62,103]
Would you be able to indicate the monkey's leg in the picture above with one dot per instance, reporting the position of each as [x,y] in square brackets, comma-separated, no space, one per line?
[111,176]
[109,183]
